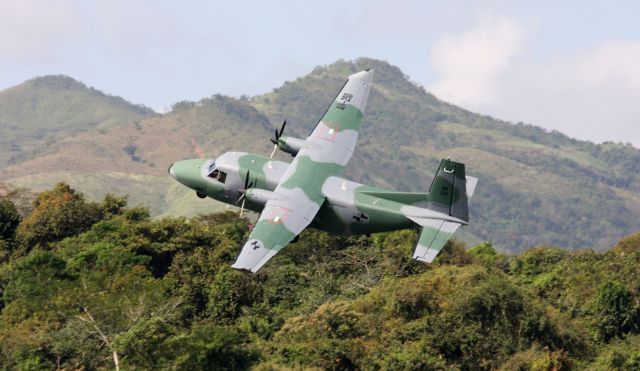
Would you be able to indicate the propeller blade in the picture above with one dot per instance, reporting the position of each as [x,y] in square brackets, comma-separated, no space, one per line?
[247,186]
[242,207]
[276,138]
[274,151]
[284,123]
[246,181]
[240,198]
[244,190]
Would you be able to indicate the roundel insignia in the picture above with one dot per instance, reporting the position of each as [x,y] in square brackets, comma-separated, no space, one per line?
[361,218]
[255,244]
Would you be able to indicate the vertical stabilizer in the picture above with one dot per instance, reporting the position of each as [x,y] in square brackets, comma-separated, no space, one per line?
[448,191]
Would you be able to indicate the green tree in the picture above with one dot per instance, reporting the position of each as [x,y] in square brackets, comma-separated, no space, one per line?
[113,205]
[230,292]
[210,347]
[114,294]
[617,312]
[485,254]
[9,219]
[58,213]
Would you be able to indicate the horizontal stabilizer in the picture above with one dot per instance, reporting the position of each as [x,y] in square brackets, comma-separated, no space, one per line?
[448,207]
[433,236]
[471,185]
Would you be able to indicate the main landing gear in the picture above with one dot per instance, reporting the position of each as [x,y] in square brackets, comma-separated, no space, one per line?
[201,195]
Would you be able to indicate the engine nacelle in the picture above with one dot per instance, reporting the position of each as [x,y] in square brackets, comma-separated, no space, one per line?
[291,145]
[259,196]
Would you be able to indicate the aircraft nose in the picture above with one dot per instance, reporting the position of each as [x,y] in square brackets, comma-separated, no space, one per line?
[171,172]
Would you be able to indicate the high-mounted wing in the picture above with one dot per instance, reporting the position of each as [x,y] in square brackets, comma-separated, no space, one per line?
[298,196]
[279,223]
[334,138]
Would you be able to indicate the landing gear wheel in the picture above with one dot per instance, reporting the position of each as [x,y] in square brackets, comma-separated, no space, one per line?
[295,239]
[201,195]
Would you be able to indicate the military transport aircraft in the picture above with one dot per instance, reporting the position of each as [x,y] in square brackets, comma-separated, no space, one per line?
[309,192]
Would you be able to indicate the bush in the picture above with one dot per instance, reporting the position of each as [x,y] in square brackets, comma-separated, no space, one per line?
[617,312]
[58,213]
[9,219]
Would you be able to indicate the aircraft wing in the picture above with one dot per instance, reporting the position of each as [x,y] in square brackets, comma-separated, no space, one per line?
[280,222]
[334,138]
[298,197]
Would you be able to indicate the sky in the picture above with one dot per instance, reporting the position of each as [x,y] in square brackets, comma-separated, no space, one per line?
[571,66]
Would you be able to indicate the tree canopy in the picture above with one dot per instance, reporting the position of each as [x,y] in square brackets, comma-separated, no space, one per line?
[117,289]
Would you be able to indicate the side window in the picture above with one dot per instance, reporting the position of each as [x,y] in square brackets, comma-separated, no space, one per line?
[218,175]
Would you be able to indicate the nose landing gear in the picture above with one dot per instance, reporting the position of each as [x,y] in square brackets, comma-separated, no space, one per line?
[200,194]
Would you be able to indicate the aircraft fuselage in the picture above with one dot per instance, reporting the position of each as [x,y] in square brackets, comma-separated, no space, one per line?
[350,207]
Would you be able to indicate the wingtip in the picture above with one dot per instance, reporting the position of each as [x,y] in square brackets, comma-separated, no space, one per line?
[242,269]
[366,75]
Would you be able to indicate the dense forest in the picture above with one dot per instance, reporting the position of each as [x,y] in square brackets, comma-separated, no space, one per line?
[101,285]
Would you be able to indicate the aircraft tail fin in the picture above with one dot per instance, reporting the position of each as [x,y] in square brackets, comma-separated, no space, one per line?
[449,194]
[450,190]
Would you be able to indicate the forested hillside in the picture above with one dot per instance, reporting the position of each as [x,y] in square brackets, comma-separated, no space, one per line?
[536,187]
[40,112]
[92,285]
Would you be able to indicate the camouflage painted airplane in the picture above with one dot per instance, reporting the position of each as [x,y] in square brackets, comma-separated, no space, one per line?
[309,192]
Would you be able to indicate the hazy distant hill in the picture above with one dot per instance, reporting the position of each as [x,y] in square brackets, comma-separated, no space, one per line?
[37,113]
[535,187]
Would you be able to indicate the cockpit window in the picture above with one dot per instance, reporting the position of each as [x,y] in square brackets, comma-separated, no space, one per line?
[220,176]
[212,166]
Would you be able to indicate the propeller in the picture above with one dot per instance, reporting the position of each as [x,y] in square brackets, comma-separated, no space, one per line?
[243,192]
[276,139]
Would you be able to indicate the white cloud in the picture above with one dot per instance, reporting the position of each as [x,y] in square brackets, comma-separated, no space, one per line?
[35,30]
[469,64]
[591,94]
[612,62]
[132,28]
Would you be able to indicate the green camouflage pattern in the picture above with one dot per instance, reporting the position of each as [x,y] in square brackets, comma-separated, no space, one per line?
[310,192]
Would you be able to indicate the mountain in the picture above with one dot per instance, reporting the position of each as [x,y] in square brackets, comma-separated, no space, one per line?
[536,187]
[41,111]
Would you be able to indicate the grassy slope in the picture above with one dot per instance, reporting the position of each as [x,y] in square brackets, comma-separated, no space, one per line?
[535,188]
[38,113]
[132,157]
